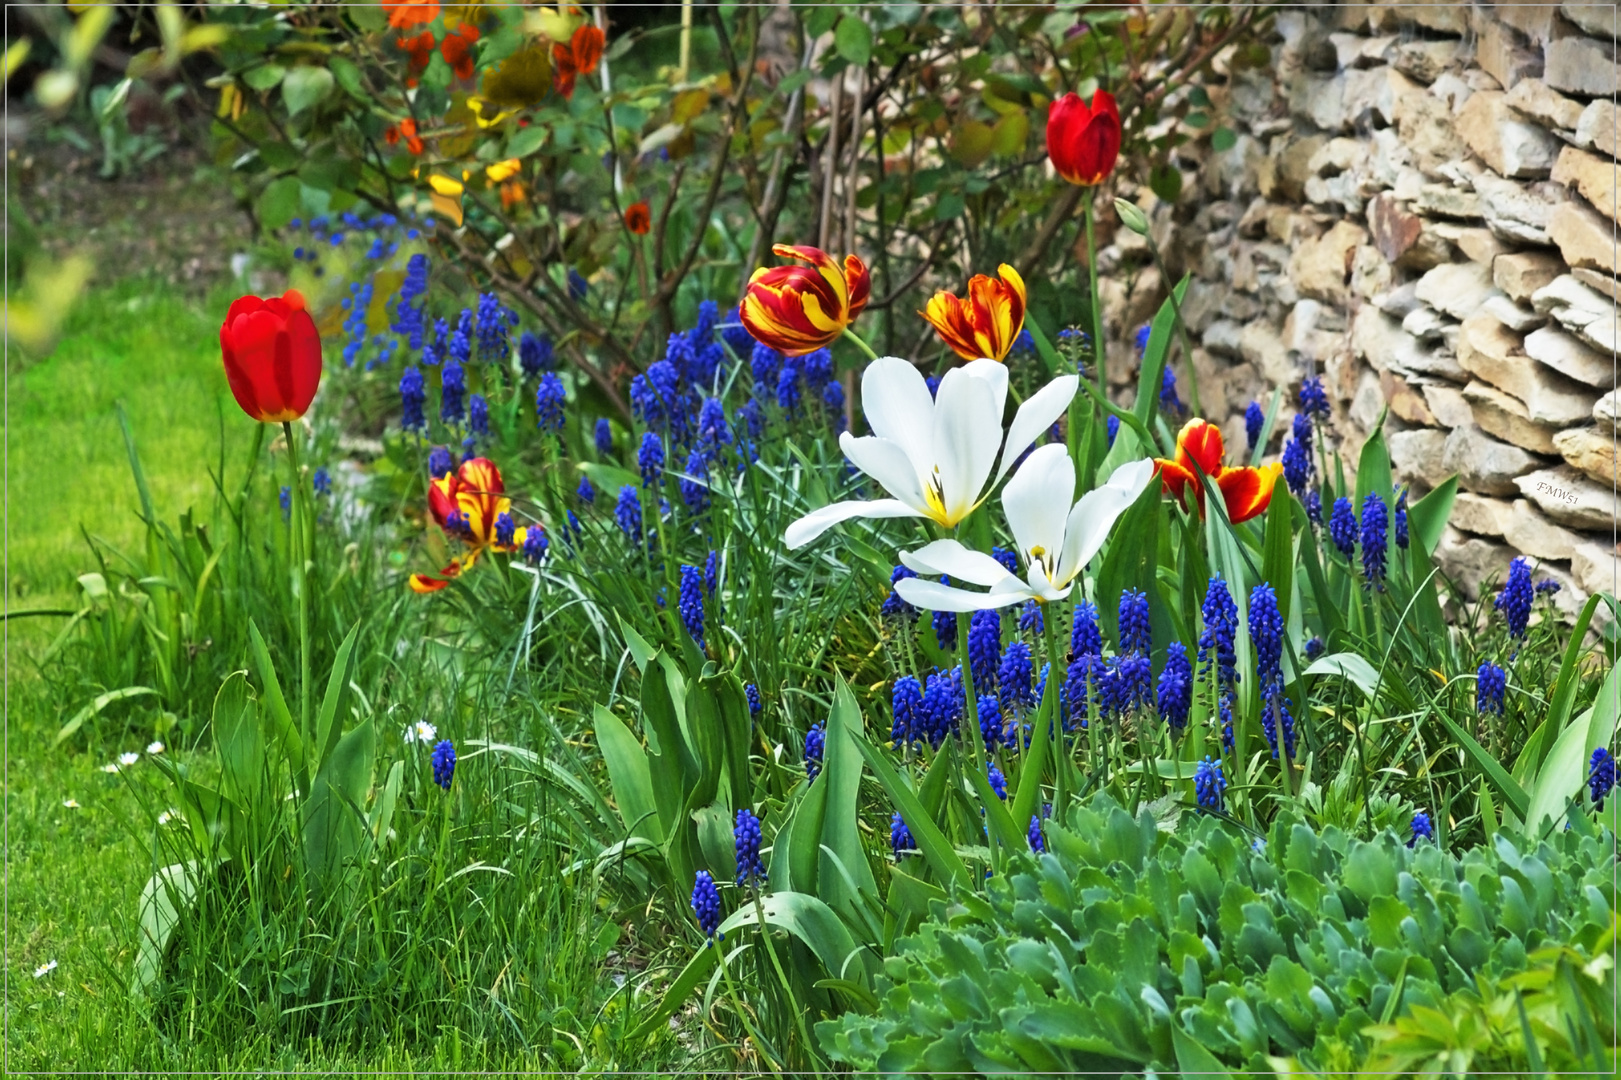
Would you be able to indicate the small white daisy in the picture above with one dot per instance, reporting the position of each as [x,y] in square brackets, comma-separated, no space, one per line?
[110,767]
[168,815]
[44,969]
[71,804]
[422,732]
[154,748]
[129,757]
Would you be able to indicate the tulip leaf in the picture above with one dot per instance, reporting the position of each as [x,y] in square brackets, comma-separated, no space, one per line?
[305,87]
[100,703]
[165,895]
[937,850]
[628,775]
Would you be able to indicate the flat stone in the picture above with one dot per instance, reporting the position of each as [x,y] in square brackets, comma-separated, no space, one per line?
[1448,201]
[1485,464]
[1512,315]
[1319,268]
[1422,60]
[1354,50]
[1522,273]
[1606,409]
[1516,211]
[1480,514]
[1510,145]
[1536,100]
[1597,18]
[1468,561]
[1458,289]
[1399,301]
[1596,128]
[1584,238]
[1590,451]
[1373,95]
[1448,405]
[1570,498]
[1477,244]
[1262,347]
[1490,351]
[1417,454]
[1426,324]
[1535,21]
[1507,418]
[1380,340]
[1535,535]
[1589,174]
[1394,229]
[1589,315]
[1503,54]
[1581,65]
[1404,399]
[1367,402]
[1597,568]
[1603,283]
[1566,354]
[1425,123]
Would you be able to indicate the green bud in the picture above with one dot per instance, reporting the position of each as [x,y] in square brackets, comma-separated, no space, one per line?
[1131,217]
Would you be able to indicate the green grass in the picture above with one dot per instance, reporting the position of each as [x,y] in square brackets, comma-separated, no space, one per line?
[66,465]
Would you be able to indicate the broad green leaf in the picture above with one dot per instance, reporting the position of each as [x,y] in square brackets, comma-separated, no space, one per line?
[526,141]
[348,76]
[1194,1060]
[328,724]
[930,840]
[1506,785]
[382,814]
[1427,517]
[264,76]
[1564,771]
[239,741]
[715,840]
[852,39]
[629,776]
[95,707]
[1348,665]
[1278,553]
[1569,677]
[840,832]
[305,87]
[693,975]
[164,897]
[280,730]
[1160,332]
[640,651]
[812,922]
[1373,472]
[667,753]
[334,817]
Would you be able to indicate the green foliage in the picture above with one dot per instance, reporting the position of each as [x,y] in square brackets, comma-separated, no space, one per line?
[1126,946]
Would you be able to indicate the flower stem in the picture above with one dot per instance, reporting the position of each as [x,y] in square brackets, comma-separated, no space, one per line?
[1099,349]
[851,334]
[301,583]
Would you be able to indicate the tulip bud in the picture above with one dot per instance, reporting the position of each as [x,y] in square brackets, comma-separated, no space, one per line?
[1132,216]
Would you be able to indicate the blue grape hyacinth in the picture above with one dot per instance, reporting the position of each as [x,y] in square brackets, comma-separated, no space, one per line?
[1401,518]
[815,741]
[444,763]
[900,837]
[1085,639]
[586,492]
[1254,421]
[650,458]
[990,721]
[1037,843]
[452,393]
[1175,695]
[1266,633]
[691,603]
[1490,682]
[752,693]
[1210,785]
[746,844]
[1297,463]
[1375,538]
[534,353]
[906,700]
[1013,678]
[1514,599]
[1600,776]
[628,513]
[535,545]
[984,647]
[1135,633]
[945,625]
[1314,399]
[1218,655]
[705,900]
[603,436]
[412,399]
[997,781]
[893,604]
[549,400]
[1342,526]
[1422,829]
[440,462]
[1031,619]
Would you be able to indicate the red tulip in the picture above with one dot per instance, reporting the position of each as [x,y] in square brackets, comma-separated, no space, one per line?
[797,309]
[1084,141]
[272,356]
[1246,491]
[638,218]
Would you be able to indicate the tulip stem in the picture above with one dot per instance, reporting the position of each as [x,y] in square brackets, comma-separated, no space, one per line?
[300,581]
[1099,345]
[851,334]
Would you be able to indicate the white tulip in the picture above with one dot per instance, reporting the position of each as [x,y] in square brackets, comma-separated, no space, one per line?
[1055,540]
[934,455]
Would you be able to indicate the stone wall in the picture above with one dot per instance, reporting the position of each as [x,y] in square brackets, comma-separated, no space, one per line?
[1421,207]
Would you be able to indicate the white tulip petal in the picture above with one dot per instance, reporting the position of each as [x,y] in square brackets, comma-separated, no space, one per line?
[1095,514]
[1036,502]
[967,433]
[817,522]
[895,400]
[933,596]
[1039,412]
[886,462]
[959,563]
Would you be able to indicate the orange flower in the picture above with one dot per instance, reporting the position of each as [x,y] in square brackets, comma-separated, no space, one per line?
[512,193]
[579,57]
[986,324]
[1246,491]
[467,505]
[421,50]
[406,129]
[796,309]
[638,218]
[457,49]
[411,12]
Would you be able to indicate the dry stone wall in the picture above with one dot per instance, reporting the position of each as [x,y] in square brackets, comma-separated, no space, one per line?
[1421,206]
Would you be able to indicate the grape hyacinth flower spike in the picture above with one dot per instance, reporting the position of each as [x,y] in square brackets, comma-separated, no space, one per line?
[444,763]
[706,904]
[746,843]
[1600,776]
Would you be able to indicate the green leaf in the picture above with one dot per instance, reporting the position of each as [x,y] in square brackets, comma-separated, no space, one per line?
[840,832]
[1373,472]
[165,895]
[715,840]
[1427,517]
[1160,332]
[335,817]
[348,76]
[280,202]
[305,87]
[1506,786]
[640,651]
[239,741]
[697,969]
[1562,774]
[1194,1060]
[327,724]
[526,141]
[1223,139]
[95,707]
[629,776]
[852,39]
[1568,680]
[1278,551]
[812,922]
[264,77]
[1166,181]
[382,814]
[1348,665]
[278,718]
[942,858]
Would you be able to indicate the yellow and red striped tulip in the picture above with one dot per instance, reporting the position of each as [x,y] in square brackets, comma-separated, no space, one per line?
[986,323]
[1246,491]
[797,309]
[476,493]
